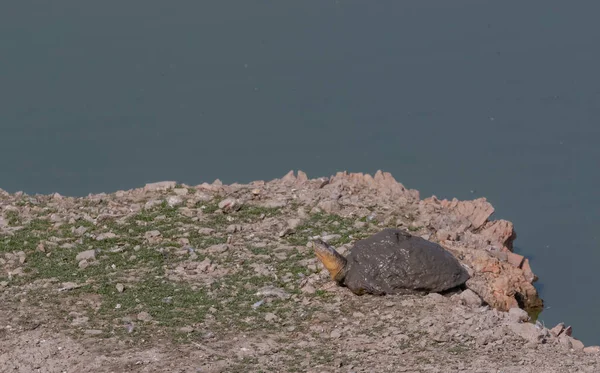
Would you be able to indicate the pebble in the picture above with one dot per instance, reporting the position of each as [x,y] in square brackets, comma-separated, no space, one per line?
[308,289]
[173,201]
[144,316]
[271,291]
[105,236]
[270,317]
[86,255]
[83,264]
[518,315]
[469,298]
[120,288]
[335,334]
[93,331]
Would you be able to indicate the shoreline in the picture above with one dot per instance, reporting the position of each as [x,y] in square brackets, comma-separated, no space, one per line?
[213,240]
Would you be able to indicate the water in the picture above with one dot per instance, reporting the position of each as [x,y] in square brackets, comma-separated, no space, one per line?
[458,99]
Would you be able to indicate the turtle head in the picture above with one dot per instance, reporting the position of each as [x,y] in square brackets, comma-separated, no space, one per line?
[331,259]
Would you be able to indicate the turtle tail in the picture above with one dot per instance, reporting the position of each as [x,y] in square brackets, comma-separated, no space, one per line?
[331,259]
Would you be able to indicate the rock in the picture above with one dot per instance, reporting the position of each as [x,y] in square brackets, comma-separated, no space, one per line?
[93,332]
[527,272]
[469,298]
[308,289]
[576,344]
[80,231]
[335,334]
[204,265]
[105,236]
[186,329]
[294,223]
[270,317]
[144,316]
[229,204]
[592,350]
[477,211]
[331,237]
[161,185]
[206,231]
[568,330]
[565,342]
[273,292]
[526,331]
[152,236]
[173,201]
[152,203]
[120,288]
[181,191]
[86,255]
[558,329]
[234,228]
[83,264]
[218,249]
[515,260]
[329,206]
[518,315]
[78,321]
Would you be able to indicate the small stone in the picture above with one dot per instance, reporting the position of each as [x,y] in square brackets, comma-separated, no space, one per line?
[173,201]
[80,320]
[308,289]
[120,288]
[270,317]
[558,329]
[335,334]
[359,224]
[568,331]
[186,329]
[470,298]
[218,249]
[273,292]
[293,223]
[515,259]
[565,342]
[180,191]
[576,344]
[86,255]
[105,236]
[358,315]
[287,231]
[93,331]
[331,237]
[204,265]
[152,234]
[161,185]
[229,204]
[233,228]
[206,231]
[518,315]
[83,264]
[3,284]
[144,316]
[592,350]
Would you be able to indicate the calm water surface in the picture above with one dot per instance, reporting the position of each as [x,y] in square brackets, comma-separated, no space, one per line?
[458,99]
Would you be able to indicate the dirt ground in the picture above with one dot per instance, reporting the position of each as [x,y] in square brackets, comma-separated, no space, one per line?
[214,278]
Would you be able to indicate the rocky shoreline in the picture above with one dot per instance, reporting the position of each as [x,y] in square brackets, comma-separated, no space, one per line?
[226,272]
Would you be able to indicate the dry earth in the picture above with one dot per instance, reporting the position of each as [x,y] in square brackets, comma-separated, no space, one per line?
[219,278]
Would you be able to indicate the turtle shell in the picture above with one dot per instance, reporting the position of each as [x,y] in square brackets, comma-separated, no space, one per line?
[394,261]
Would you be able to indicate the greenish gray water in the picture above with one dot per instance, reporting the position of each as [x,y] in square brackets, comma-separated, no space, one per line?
[458,99]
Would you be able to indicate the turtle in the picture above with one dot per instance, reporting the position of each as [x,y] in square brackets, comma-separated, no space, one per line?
[393,262]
